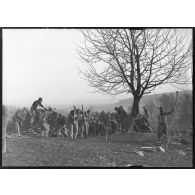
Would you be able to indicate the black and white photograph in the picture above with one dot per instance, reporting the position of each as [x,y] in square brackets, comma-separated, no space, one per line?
[97,97]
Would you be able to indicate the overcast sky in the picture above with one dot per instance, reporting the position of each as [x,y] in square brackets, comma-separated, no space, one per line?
[43,63]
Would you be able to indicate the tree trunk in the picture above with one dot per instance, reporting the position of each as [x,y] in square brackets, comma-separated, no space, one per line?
[135,107]
[134,112]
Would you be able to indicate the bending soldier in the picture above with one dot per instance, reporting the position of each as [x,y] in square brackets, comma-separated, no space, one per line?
[33,109]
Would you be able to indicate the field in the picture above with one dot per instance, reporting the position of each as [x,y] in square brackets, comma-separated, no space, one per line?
[118,151]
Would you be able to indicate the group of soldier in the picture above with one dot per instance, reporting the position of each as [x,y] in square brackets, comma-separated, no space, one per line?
[91,123]
[116,121]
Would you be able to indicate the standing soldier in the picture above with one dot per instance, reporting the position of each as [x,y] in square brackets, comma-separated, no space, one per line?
[162,122]
[33,109]
[122,116]
[114,124]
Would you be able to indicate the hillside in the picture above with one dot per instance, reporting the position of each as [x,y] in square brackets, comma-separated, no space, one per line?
[126,103]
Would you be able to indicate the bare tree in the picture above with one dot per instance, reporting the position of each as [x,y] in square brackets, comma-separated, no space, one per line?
[135,61]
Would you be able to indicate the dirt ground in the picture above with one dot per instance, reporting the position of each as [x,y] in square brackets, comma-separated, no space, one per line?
[93,152]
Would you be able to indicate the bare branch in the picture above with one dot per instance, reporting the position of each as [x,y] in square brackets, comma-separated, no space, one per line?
[135,61]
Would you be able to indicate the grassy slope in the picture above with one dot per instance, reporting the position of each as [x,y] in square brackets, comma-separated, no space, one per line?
[90,152]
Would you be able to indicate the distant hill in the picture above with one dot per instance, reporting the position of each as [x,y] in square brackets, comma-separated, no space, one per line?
[126,103]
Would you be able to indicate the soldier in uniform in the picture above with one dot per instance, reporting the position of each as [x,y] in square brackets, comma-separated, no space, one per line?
[33,109]
[162,122]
